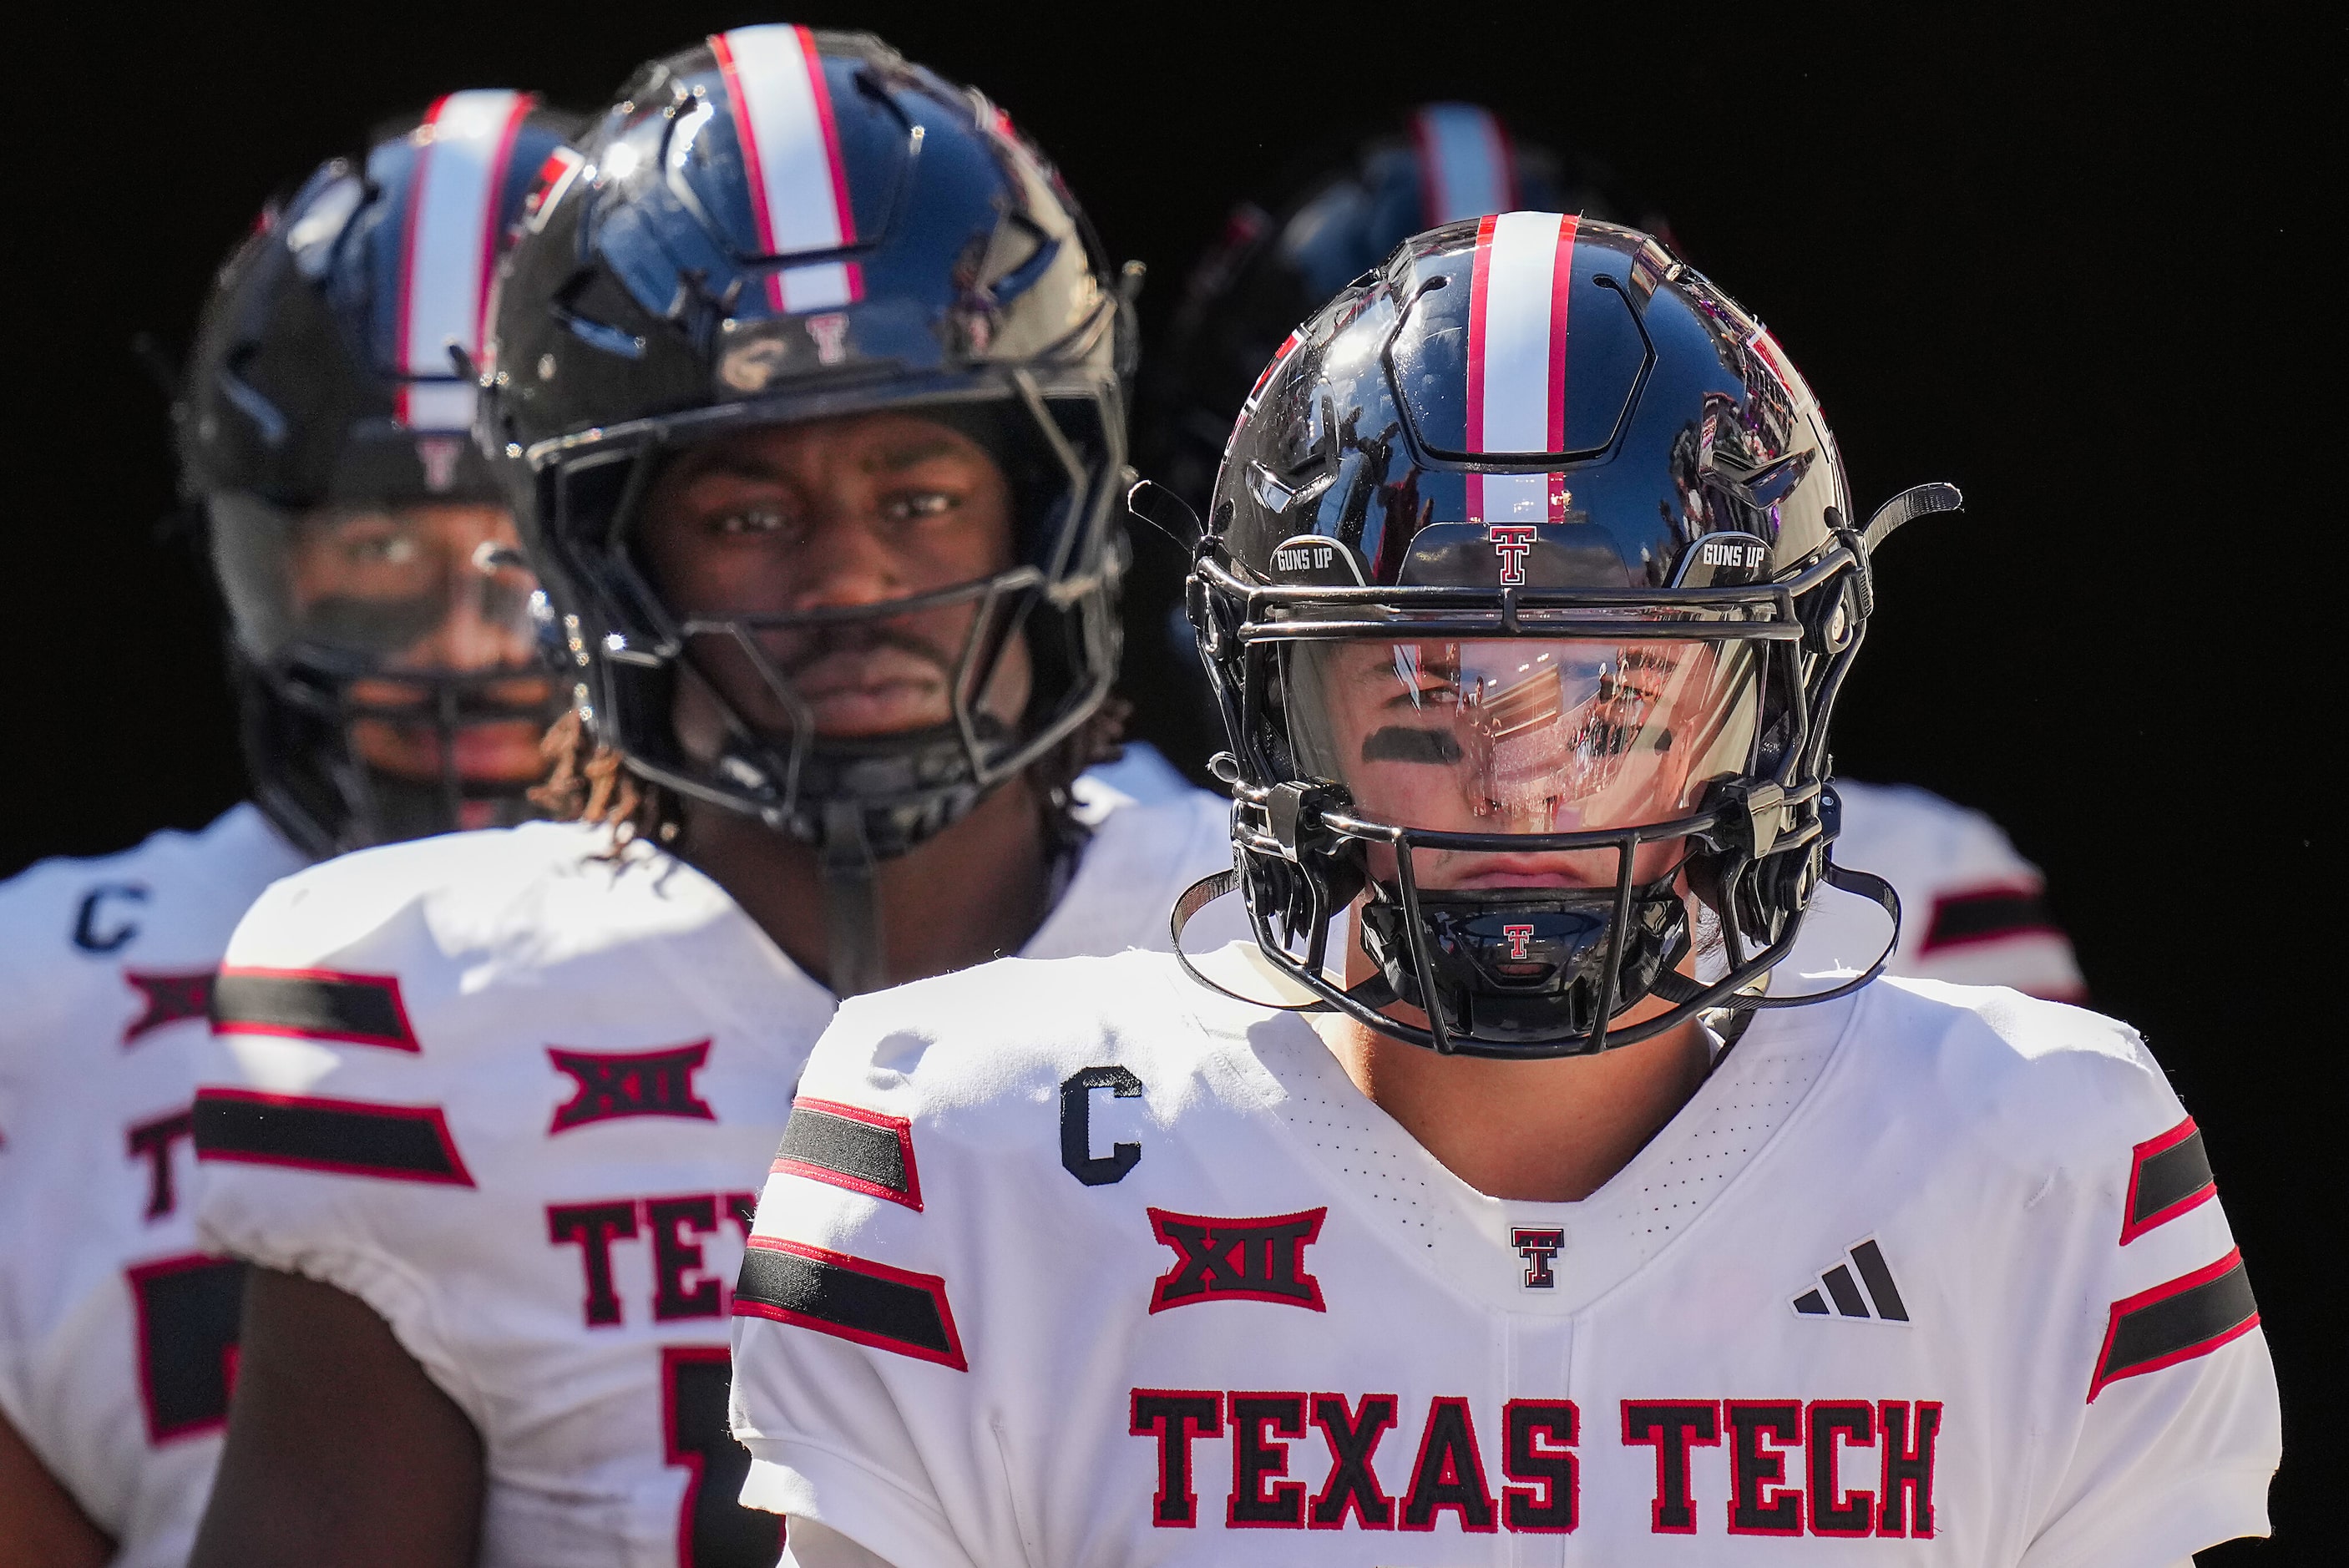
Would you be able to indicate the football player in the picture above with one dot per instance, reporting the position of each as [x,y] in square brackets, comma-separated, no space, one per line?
[1530,579]
[390,683]
[1977,908]
[811,376]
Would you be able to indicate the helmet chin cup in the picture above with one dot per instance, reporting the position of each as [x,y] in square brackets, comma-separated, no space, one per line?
[296,722]
[907,787]
[1517,967]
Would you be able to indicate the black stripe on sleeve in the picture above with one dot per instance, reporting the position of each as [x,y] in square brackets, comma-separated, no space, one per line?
[853,1298]
[313,1004]
[1984,915]
[394,1142]
[2190,1316]
[2167,1176]
[849,1147]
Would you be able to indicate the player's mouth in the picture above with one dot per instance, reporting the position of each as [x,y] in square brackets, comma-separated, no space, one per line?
[506,752]
[873,691]
[1470,874]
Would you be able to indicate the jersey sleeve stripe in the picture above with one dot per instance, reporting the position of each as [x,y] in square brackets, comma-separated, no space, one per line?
[852,1298]
[2188,1316]
[392,1142]
[850,1147]
[1971,916]
[313,1004]
[2167,1176]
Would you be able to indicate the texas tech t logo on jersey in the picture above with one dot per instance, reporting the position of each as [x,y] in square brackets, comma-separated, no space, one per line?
[1537,1247]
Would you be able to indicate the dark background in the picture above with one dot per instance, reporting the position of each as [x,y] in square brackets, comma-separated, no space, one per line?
[2085,266]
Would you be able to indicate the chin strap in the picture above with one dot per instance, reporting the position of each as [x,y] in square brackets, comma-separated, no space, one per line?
[855,953]
[1916,501]
[1246,961]
[1193,899]
[1675,987]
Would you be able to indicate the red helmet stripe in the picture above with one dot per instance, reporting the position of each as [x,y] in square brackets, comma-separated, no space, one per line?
[449,249]
[1465,167]
[492,231]
[1561,289]
[1518,287]
[781,107]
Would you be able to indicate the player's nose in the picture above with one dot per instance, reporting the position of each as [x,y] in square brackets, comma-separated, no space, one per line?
[845,563]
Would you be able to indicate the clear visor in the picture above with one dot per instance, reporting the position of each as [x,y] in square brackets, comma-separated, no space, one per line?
[1523,734]
[428,590]
[409,627]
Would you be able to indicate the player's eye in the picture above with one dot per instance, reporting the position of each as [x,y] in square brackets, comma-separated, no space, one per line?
[1425,692]
[907,505]
[752,521]
[389,548]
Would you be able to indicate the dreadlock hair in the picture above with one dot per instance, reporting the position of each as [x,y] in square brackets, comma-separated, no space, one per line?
[588,781]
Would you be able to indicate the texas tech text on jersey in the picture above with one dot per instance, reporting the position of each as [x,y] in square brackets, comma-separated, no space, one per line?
[1175,1292]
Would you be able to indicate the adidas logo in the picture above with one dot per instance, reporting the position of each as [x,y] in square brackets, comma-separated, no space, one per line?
[1838,1287]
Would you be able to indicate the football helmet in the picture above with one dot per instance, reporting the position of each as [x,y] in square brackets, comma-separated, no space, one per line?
[381,633]
[1270,270]
[1531,549]
[779,225]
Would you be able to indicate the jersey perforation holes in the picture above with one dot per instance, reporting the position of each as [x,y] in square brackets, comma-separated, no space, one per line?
[1353,1150]
[1723,1140]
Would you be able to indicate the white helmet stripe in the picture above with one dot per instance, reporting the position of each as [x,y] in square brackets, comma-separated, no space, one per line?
[799,187]
[1516,359]
[1463,159]
[450,250]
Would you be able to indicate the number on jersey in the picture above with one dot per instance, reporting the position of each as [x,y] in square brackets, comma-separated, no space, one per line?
[189,1308]
[713,1530]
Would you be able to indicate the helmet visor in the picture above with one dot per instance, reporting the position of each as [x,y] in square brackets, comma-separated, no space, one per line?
[413,622]
[1523,734]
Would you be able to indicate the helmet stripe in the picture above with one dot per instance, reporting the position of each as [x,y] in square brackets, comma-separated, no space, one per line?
[449,249]
[781,107]
[1465,167]
[1518,286]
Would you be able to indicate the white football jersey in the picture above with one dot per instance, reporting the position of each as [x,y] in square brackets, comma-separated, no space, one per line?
[519,1100]
[117,1333]
[1080,1265]
[1972,911]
